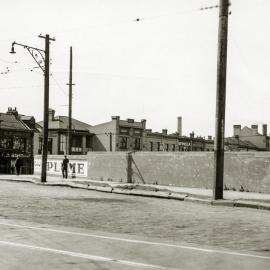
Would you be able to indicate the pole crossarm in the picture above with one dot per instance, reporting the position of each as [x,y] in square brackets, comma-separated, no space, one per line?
[40,36]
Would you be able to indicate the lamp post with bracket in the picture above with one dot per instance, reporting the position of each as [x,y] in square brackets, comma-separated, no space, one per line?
[42,58]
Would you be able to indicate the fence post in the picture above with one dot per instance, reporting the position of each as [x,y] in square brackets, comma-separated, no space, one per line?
[129,167]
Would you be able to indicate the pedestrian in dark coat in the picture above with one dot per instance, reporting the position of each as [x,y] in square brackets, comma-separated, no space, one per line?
[65,167]
[18,165]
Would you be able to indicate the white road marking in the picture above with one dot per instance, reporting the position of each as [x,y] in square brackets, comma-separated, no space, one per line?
[140,241]
[86,256]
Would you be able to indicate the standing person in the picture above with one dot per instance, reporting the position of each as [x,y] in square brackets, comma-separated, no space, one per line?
[18,164]
[12,166]
[65,167]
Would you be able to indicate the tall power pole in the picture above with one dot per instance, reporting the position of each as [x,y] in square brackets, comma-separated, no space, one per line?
[46,107]
[70,104]
[220,100]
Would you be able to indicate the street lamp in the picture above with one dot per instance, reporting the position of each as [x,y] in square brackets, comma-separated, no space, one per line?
[42,58]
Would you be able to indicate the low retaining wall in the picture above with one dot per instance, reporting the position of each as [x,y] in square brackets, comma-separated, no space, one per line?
[247,171]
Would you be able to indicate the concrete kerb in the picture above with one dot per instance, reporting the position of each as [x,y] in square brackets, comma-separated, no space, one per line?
[147,191]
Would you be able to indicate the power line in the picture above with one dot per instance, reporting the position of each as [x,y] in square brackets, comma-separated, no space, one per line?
[130,20]
[59,86]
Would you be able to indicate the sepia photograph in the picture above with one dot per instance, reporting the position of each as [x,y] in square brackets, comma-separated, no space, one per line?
[134,135]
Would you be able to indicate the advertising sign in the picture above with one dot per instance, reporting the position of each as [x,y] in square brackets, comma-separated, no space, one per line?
[76,168]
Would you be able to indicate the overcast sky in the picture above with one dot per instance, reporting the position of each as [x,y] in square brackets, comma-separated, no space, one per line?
[158,68]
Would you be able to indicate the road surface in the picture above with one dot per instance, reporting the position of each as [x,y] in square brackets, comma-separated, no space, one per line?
[45,227]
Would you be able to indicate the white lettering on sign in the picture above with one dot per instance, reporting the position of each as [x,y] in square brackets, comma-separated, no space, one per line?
[54,166]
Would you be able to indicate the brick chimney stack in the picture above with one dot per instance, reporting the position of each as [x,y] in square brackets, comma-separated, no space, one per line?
[254,129]
[164,131]
[51,114]
[264,129]
[236,130]
[179,125]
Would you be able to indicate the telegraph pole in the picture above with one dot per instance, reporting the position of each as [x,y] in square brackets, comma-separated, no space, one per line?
[110,141]
[220,100]
[70,104]
[46,107]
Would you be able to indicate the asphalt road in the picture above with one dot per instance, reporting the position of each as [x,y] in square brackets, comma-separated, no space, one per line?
[43,227]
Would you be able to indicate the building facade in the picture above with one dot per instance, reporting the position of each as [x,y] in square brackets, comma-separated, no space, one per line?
[58,136]
[16,139]
[250,135]
[131,135]
[118,135]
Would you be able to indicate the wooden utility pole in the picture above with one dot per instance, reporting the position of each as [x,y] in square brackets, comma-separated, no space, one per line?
[220,100]
[70,105]
[46,107]
[110,141]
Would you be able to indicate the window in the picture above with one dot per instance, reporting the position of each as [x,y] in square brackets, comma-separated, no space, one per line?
[88,142]
[158,146]
[6,143]
[63,144]
[173,147]
[40,145]
[124,131]
[137,144]
[76,144]
[137,132]
[167,147]
[151,146]
[19,144]
[123,142]
[49,146]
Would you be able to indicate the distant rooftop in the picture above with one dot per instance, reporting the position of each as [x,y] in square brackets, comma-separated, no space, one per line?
[10,121]
[61,122]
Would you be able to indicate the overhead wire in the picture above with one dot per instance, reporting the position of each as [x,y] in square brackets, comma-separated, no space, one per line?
[59,85]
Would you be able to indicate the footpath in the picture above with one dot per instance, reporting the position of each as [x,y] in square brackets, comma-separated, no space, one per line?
[195,195]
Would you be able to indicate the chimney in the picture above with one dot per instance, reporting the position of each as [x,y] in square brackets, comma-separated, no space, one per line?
[164,131]
[264,129]
[179,125]
[209,137]
[115,117]
[192,134]
[51,114]
[129,120]
[254,129]
[143,121]
[236,130]
[12,111]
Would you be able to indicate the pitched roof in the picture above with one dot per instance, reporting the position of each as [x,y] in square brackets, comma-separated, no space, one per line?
[9,121]
[61,122]
[241,143]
